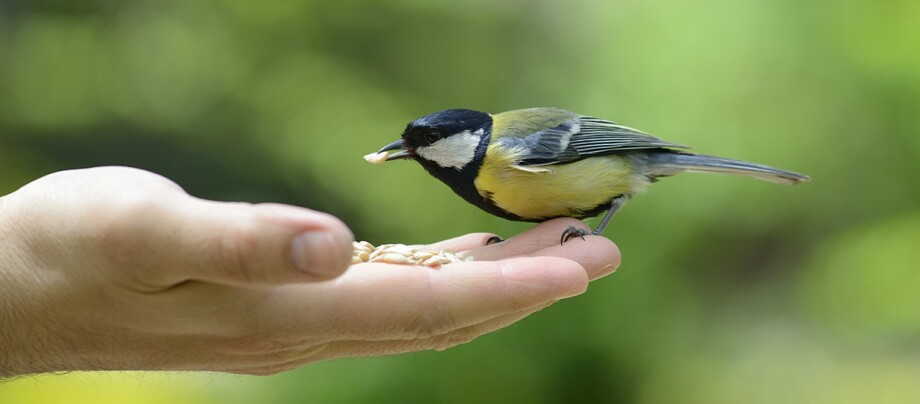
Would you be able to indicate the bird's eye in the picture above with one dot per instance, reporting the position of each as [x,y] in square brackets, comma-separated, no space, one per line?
[432,136]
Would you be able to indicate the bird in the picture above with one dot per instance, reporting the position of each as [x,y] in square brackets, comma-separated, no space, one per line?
[538,164]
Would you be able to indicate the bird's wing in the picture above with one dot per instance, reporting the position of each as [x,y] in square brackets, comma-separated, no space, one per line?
[579,138]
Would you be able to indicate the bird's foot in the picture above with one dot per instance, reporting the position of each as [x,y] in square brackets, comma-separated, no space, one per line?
[572,232]
[494,240]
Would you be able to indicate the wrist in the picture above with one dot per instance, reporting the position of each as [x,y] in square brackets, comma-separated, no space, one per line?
[24,345]
[11,351]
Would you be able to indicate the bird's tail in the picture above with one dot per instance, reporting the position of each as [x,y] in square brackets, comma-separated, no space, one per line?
[669,163]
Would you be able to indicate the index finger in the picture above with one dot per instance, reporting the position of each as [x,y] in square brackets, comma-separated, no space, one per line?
[543,235]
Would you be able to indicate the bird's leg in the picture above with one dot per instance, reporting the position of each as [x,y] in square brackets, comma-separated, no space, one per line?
[615,205]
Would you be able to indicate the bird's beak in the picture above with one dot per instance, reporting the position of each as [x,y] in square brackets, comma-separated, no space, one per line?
[403,152]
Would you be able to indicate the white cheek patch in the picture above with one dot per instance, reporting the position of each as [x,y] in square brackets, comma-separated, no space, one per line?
[453,151]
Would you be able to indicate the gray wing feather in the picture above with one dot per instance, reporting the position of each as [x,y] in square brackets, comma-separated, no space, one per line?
[580,138]
[545,145]
[598,136]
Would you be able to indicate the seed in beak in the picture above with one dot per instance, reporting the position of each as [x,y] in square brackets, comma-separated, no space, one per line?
[377,158]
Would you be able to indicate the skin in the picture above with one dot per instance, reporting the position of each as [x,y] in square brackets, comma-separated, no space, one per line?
[119,269]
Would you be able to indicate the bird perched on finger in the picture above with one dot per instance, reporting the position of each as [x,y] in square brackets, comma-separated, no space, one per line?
[541,163]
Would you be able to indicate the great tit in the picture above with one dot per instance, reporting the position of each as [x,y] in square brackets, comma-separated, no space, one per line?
[540,163]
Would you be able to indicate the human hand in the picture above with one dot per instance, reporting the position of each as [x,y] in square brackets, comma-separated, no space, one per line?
[119,269]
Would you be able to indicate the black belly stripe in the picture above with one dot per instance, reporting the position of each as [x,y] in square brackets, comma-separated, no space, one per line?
[463,182]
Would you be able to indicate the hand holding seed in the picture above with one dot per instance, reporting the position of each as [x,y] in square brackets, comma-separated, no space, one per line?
[120,269]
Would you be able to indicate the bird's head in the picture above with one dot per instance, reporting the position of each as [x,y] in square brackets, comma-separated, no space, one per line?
[447,139]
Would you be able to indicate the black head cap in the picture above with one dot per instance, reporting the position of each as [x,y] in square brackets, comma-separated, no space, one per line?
[432,127]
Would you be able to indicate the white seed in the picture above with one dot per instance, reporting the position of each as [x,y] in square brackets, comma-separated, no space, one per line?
[378,252]
[404,255]
[436,261]
[363,246]
[394,259]
[401,249]
[376,158]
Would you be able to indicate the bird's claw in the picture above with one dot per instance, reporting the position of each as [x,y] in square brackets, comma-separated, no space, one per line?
[494,240]
[572,232]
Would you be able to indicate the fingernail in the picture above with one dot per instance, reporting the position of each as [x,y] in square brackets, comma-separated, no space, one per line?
[317,253]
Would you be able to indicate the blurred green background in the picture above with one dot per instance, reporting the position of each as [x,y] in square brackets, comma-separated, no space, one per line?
[731,290]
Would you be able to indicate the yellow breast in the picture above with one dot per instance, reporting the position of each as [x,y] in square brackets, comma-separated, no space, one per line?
[561,190]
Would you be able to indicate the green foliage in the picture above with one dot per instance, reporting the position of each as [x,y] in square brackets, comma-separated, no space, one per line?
[730,291]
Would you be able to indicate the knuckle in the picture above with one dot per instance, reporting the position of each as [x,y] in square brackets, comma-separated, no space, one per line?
[279,368]
[115,225]
[127,205]
[432,322]
[272,343]
[433,319]
[514,302]
[267,371]
[263,344]
[239,251]
[137,176]
[451,340]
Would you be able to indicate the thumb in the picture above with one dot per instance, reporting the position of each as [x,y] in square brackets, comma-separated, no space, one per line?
[246,245]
